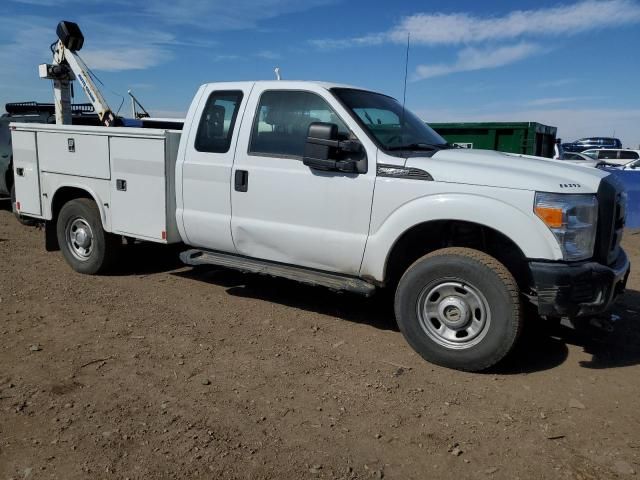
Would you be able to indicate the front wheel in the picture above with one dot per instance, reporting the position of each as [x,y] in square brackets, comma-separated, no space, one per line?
[84,243]
[459,308]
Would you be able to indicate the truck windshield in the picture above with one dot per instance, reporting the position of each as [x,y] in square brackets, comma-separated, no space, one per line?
[393,127]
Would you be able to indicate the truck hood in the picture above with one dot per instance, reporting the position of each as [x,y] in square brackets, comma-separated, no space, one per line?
[507,170]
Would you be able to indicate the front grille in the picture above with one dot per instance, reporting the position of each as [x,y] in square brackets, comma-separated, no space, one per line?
[611,216]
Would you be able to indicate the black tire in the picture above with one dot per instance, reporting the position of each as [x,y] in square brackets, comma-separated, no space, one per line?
[19,217]
[100,251]
[474,297]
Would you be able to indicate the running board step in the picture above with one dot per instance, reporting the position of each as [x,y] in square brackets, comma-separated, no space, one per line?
[311,277]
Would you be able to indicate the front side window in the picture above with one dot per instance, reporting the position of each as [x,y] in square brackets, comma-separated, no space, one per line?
[392,126]
[282,122]
[217,122]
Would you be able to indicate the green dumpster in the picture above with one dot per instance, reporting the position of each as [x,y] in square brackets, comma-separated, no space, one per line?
[529,138]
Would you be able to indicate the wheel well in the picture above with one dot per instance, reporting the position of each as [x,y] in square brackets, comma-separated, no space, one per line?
[64,195]
[429,236]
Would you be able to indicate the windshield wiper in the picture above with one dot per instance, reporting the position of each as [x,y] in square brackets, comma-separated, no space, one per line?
[418,146]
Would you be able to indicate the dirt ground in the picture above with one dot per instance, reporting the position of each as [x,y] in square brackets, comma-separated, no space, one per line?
[159,371]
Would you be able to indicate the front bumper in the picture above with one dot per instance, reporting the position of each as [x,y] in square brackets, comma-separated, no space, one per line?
[573,290]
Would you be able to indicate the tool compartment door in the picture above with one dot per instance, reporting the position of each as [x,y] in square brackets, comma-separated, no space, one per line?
[71,153]
[138,188]
[26,173]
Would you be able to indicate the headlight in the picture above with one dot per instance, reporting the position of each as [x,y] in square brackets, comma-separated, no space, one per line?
[572,219]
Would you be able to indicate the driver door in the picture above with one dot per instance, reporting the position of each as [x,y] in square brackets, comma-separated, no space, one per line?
[285,211]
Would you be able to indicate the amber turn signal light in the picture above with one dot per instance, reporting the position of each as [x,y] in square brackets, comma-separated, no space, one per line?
[551,216]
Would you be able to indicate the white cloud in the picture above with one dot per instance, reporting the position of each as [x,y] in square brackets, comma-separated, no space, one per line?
[225,58]
[572,123]
[472,58]
[125,58]
[52,3]
[438,29]
[364,41]
[458,28]
[268,55]
[464,28]
[560,82]
[221,15]
[538,102]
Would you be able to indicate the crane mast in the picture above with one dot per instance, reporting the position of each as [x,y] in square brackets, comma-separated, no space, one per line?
[68,66]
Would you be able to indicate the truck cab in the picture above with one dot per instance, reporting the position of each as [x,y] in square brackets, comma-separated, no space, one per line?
[342,187]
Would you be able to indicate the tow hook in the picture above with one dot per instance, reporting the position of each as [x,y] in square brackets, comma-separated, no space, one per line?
[604,322]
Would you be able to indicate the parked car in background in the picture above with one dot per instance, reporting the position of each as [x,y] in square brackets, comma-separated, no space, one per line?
[579,159]
[576,156]
[613,156]
[31,112]
[634,165]
[592,142]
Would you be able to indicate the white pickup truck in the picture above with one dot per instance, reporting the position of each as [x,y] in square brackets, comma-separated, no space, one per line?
[341,187]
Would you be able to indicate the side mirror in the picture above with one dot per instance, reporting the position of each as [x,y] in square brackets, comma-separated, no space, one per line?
[324,151]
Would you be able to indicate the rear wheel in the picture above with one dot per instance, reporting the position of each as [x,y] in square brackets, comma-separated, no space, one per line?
[459,308]
[84,243]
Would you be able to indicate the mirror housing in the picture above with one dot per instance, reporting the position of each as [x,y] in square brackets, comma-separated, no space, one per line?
[325,151]
[322,141]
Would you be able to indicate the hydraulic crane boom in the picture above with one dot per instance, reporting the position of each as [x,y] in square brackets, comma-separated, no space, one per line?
[68,66]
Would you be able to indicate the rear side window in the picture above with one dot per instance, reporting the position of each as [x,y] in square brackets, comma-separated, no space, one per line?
[283,119]
[628,155]
[217,122]
[607,154]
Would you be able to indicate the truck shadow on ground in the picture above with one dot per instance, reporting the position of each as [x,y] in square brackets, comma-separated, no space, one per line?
[541,347]
[147,258]
[374,311]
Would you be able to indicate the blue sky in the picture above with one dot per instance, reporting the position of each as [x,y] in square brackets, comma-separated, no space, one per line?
[575,65]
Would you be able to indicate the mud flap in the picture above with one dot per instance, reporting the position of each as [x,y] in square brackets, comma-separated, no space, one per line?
[50,237]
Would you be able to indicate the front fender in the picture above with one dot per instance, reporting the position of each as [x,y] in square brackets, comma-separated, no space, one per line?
[524,229]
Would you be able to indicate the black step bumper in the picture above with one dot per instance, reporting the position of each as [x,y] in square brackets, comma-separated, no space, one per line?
[573,290]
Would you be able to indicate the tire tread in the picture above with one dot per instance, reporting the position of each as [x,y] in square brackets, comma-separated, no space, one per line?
[488,262]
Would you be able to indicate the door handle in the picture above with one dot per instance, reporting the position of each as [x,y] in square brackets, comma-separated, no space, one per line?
[20,171]
[241,180]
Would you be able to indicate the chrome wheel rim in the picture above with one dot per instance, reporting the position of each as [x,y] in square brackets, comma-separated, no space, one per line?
[453,314]
[79,238]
